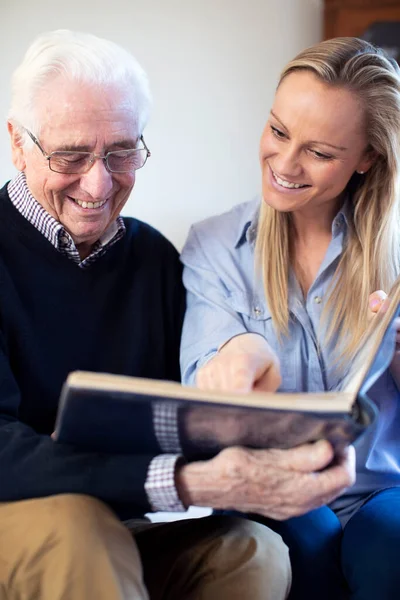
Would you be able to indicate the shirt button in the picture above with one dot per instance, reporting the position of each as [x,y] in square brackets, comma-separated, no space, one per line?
[257,311]
[317,299]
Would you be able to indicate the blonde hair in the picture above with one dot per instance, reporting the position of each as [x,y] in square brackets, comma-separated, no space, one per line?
[371,257]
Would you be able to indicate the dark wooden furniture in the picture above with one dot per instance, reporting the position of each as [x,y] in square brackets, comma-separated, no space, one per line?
[353,17]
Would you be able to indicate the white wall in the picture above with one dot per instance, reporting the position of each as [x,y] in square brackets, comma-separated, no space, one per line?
[213,66]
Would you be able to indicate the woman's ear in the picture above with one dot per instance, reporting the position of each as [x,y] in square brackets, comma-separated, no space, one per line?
[17,148]
[368,159]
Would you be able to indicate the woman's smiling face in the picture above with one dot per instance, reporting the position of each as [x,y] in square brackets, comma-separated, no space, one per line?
[313,142]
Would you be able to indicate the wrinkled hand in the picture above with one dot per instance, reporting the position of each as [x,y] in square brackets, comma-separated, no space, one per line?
[244,363]
[275,483]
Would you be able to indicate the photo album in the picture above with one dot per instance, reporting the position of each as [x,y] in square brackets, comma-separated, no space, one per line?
[107,413]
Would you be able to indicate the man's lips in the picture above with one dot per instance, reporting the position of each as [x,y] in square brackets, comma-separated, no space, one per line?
[88,205]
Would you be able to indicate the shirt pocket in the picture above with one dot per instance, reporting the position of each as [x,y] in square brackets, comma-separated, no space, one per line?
[256,318]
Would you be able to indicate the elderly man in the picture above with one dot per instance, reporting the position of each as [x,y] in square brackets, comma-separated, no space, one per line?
[83,288]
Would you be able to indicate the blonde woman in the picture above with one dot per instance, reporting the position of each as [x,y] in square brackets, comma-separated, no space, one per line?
[280,292]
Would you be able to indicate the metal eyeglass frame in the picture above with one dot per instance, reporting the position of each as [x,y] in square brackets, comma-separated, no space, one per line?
[93,156]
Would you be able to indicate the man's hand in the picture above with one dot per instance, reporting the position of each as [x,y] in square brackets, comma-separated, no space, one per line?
[275,483]
[244,363]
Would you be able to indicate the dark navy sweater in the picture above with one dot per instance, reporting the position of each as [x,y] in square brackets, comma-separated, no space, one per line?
[123,314]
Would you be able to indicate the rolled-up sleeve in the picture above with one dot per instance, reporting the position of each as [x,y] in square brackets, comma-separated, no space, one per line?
[209,320]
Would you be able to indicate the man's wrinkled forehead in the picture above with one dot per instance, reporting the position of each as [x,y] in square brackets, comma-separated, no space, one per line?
[61,103]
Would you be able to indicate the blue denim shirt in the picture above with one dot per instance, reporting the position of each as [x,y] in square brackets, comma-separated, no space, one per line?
[225,298]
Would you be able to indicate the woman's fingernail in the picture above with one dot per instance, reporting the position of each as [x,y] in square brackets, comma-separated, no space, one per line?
[375,303]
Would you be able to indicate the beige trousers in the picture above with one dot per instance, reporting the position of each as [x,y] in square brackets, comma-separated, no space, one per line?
[72,547]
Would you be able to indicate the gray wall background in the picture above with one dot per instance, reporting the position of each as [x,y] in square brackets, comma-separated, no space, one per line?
[213,67]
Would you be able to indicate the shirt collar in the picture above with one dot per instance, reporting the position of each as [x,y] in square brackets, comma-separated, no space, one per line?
[53,230]
[247,231]
[341,221]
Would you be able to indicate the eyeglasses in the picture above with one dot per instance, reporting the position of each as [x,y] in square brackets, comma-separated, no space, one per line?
[70,162]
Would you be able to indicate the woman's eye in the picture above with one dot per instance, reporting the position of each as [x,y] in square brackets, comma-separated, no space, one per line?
[321,156]
[277,132]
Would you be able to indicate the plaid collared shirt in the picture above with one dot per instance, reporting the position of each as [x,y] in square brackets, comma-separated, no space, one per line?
[53,230]
[160,481]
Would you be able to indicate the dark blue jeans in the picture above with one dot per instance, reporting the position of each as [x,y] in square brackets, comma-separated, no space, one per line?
[314,542]
[361,562]
[371,548]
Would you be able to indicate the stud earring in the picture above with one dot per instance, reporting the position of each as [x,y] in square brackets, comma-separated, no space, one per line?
[361,172]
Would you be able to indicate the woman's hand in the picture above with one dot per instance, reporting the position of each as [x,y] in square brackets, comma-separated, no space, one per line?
[244,363]
[376,303]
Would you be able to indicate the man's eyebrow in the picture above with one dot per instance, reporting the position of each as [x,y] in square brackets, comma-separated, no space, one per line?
[121,145]
[72,148]
[124,144]
[320,142]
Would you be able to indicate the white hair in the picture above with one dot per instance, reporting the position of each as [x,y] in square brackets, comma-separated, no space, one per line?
[80,57]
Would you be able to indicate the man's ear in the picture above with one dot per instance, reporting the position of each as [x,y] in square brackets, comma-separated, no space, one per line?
[17,149]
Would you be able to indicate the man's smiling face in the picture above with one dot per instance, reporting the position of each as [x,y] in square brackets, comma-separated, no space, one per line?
[85,118]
